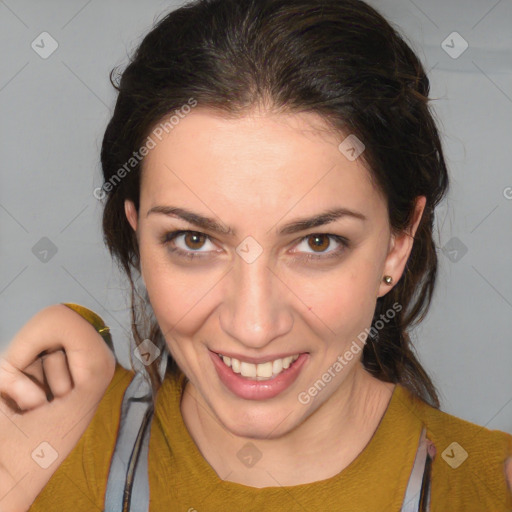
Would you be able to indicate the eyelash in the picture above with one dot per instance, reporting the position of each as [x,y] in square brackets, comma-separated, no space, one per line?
[171,235]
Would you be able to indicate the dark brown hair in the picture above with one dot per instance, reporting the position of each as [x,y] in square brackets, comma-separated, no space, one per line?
[337,58]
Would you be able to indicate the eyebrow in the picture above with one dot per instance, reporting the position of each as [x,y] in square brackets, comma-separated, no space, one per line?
[295,226]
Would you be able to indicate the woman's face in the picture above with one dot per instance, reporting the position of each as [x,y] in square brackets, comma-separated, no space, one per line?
[271,288]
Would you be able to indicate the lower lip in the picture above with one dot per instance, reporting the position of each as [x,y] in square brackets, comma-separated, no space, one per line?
[257,389]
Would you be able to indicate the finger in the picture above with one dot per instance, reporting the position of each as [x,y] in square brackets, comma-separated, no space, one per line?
[41,335]
[57,374]
[35,371]
[8,405]
[59,327]
[14,386]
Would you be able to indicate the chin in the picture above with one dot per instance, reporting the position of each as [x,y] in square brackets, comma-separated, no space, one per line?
[256,432]
[262,425]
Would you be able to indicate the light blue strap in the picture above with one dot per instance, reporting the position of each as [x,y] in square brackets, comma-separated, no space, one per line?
[412,497]
[130,457]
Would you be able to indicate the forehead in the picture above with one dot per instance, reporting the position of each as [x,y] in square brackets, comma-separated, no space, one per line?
[260,161]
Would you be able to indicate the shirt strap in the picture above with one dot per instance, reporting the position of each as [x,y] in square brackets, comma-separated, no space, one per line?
[417,494]
[127,484]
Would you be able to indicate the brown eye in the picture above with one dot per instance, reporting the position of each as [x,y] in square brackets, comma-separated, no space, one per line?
[320,242]
[193,240]
[192,244]
[317,247]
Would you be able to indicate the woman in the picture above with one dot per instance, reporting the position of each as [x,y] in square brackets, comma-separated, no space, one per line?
[271,173]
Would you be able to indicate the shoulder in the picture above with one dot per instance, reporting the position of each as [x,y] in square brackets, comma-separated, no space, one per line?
[470,458]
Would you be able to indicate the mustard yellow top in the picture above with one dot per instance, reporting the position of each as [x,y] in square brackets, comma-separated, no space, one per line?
[180,479]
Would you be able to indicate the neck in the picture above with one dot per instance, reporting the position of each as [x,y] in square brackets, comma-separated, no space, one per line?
[329,439]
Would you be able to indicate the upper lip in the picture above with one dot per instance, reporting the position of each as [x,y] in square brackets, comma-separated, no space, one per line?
[257,360]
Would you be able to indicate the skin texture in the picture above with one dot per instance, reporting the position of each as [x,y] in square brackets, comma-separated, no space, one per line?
[255,174]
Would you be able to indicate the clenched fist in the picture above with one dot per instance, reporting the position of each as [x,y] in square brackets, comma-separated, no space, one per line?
[52,378]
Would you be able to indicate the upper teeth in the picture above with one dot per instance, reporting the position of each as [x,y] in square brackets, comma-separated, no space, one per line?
[259,371]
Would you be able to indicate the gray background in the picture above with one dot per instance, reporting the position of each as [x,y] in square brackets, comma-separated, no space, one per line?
[54,112]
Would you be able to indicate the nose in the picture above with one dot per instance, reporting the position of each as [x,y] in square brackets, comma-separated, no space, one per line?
[256,308]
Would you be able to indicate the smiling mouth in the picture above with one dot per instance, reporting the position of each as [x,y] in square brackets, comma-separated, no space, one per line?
[262,371]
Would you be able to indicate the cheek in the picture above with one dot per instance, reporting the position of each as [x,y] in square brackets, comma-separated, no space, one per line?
[344,302]
[163,290]
[178,296]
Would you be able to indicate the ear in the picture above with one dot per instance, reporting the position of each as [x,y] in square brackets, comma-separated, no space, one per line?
[400,247]
[131,213]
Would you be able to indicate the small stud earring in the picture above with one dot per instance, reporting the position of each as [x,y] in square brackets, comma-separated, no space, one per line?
[387,279]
